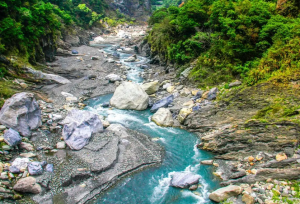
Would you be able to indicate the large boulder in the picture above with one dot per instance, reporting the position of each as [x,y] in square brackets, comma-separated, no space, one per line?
[130,96]
[27,185]
[224,193]
[79,125]
[163,117]
[184,179]
[151,87]
[163,103]
[12,137]
[21,113]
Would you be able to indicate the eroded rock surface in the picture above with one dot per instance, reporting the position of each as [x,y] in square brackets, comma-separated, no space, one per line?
[109,156]
[22,113]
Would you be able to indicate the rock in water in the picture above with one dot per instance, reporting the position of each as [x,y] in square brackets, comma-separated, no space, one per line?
[22,113]
[131,59]
[184,179]
[27,185]
[151,87]
[163,117]
[12,137]
[130,96]
[79,125]
[223,193]
[163,103]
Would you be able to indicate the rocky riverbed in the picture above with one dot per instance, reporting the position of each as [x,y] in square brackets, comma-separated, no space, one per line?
[61,153]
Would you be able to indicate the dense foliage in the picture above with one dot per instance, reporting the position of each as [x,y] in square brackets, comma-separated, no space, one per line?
[249,39]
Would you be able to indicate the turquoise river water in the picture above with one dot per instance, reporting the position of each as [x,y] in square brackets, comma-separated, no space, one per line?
[151,186]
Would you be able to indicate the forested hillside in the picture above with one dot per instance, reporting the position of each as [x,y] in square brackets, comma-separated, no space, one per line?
[252,40]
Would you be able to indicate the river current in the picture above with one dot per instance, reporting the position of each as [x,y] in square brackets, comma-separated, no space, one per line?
[151,186]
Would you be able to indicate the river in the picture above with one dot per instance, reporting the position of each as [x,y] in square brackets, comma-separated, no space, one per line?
[152,185]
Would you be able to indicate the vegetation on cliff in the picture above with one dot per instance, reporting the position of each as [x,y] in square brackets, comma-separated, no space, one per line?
[252,40]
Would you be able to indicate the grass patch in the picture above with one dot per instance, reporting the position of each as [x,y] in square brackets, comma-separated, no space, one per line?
[7,89]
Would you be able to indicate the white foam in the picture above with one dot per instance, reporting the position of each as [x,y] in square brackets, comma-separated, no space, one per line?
[161,190]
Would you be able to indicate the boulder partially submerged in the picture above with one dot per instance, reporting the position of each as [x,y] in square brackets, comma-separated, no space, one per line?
[163,117]
[22,113]
[79,125]
[184,179]
[131,96]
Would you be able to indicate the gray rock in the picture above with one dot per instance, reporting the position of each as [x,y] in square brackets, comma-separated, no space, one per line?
[27,185]
[26,146]
[186,72]
[20,163]
[113,78]
[22,113]
[131,59]
[50,77]
[233,84]
[49,168]
[94,58]
[12,137]
[184,179]
[163,117]
[131,96]
[224,193]
[238,175]
[14,169]
[163,103]
[151,87]
[212,95]
[35,168]
[79,125]
[207,162]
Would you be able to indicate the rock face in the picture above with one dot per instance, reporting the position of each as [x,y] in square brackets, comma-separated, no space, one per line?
[184,179]
[79,125]
[223,193]
[130,96]
[163,103]
[108,156]
[12,137]
[28,185]
[163,117]
[22,113]
[151,87]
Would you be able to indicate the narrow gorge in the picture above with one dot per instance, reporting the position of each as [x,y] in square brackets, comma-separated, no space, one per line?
[150,102]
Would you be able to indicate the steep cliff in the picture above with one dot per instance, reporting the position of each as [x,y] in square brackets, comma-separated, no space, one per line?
[139,9]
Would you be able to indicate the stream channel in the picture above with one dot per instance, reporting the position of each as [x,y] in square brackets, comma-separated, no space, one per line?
[152,185]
